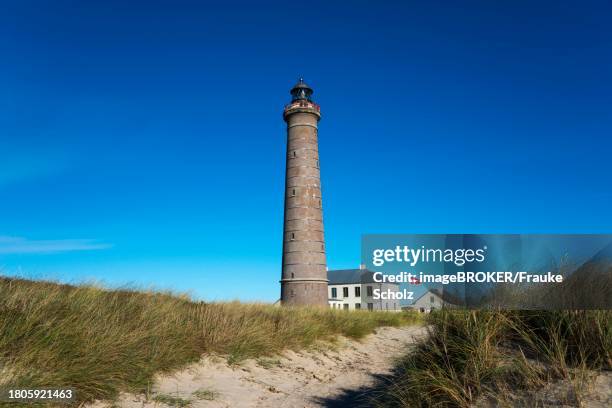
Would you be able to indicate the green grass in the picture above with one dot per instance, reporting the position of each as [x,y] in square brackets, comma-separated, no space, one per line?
[172,401]
[101,342]
[204,394]
[474,354]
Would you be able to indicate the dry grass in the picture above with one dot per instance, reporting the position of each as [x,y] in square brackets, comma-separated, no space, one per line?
[101,342]
[471,355]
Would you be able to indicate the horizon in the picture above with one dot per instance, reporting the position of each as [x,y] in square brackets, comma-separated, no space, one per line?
[143,143]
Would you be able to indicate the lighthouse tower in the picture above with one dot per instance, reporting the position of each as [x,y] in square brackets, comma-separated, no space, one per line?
[304,277]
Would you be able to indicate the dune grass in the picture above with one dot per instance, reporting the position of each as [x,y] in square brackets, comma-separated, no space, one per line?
[101,342]
[471,355]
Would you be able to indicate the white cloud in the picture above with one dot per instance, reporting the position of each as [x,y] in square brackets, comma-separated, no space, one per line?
[19,245]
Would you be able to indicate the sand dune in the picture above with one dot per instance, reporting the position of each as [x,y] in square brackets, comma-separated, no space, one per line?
[333,376]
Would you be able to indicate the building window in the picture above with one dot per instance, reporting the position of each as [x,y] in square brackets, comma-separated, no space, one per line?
[345,292]
[431,299]
[292,275]
[370,306]
[369,291]
[293,192]
[292,235]
[357,291]
[357,306]
[294,154]
[334,293]
[292,293]
[345,306]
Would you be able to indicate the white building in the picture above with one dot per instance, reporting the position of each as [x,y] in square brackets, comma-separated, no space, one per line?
[354,289]
[430,300]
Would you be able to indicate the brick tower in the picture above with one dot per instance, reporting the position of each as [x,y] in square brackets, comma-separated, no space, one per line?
[304,277]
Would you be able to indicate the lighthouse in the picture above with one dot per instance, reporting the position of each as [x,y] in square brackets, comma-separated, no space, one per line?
[304,273]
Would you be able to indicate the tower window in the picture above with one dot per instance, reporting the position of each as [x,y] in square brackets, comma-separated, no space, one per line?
[293,235]
[292,275]
[294,154]
[317,163]
[293,192]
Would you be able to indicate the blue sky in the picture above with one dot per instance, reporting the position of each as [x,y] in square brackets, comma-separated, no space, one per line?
[142,142]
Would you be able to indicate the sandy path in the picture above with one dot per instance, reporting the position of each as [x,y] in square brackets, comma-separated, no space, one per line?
[312,378]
